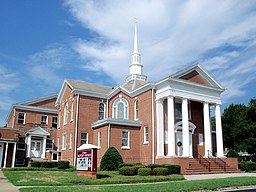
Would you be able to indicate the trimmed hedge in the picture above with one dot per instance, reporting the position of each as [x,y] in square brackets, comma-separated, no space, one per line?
[63,164]
[232,153]
[36,164]
[145,171]
[172,169]
[47,164]
[111,160]
[125,165]
[160,171]
[247,166]
[128,171]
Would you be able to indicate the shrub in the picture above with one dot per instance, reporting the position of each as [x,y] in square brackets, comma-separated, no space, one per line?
[54,163]
[232,153]
[172,169]
[47,164]
[152,166]
[144,171]
[158,171]
[247,166]
[128,171]
[63,164]
[111,160]
[125,165]
[36,164]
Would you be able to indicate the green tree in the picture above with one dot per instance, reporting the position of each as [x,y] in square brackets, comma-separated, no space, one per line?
[111,160]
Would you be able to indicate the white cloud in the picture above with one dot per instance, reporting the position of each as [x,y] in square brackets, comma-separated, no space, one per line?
[172,35]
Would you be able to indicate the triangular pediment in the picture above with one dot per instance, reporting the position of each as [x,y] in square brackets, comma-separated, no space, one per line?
[38,131]
[197,74]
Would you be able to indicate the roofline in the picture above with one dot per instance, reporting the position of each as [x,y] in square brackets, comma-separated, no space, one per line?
[113,121]
[90,93]
[39,99]
[60,95]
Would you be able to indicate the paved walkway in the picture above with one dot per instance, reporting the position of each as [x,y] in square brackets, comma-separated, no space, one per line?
[6,185]
[217,176]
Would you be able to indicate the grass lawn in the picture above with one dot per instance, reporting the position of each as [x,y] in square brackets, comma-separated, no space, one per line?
[67,178]
[173,186]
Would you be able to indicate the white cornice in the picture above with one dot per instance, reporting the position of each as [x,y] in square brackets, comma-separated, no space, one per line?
[113,121]
[62,91]
[37,109]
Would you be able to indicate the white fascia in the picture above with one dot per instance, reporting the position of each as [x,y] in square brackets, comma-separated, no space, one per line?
[90,93]
[62,91]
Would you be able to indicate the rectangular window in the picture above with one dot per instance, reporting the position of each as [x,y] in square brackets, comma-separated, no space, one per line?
[20,161]
[55,156]
[145,134]
[21,118]
[99,138]
[44,119]
[200,138]
[178,111]
[49,144]
[64,141]
[125,139]
[70,140]
[84,138]
[72,111]
[58,144]
[21,144]
[54,122]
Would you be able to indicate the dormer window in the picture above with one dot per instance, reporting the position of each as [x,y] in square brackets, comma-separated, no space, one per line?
[120,109]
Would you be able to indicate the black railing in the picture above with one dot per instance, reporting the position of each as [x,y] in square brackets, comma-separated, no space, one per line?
[203,161]
[218,160]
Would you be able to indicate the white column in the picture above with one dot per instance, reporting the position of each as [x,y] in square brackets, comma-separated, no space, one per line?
[14,154]
[185,128]
[28,145]
[6,153]
[160,129]
[207,130]
[219,138]
[171,134]
[44,147]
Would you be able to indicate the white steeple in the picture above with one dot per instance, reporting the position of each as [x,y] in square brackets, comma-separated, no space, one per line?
[136,66]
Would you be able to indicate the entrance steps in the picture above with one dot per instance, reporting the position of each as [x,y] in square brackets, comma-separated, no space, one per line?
[208,166]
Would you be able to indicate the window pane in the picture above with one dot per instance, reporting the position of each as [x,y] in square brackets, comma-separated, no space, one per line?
[55,156]
[124,134]
[124,142]
[120,109]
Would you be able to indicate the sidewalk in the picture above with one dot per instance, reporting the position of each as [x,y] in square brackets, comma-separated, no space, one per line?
[6,185]
[217,176]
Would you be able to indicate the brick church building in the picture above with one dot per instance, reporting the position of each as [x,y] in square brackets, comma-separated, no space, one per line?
[167,121]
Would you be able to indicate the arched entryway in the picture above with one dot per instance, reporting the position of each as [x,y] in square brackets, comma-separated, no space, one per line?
[179,142]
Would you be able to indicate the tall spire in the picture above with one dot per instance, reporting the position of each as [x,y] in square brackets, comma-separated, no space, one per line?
[136,66]
[135,48]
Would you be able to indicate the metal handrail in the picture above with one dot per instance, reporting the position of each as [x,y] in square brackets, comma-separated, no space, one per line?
[203,161]
[217,160]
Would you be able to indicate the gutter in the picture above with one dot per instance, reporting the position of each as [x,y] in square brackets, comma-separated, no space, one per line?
[76,130]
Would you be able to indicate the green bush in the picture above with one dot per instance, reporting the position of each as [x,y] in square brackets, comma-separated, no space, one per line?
[125,165]
[63,164]
[247,166]
[128,171]
[47,164]
[145,171]
[54,163]
[111,160]
[232,153]
[160,171]
[36,164]
[172,169]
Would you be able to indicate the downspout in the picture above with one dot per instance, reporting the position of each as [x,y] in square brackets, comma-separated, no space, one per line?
[108,135]
[76,130]
[153,128]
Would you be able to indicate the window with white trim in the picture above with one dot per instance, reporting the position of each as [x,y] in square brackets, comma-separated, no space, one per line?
[58,144]
[136,110]
[44,119]
[54,156]
[21,118]
[49,144]
[70,140]
[101,111]
[145,135]
[125,139]
[64,141]
[99,139]
[120,109]
[54,122]
[65,116]
[84,138]
[72,111]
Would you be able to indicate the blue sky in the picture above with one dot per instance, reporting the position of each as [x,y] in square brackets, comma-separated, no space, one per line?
[44,42]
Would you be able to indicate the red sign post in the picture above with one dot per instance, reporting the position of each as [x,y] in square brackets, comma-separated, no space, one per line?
[87,160]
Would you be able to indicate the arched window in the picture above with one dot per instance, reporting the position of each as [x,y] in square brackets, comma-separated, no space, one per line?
[65,116]
[136,110]
[120,109]
[101,114]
